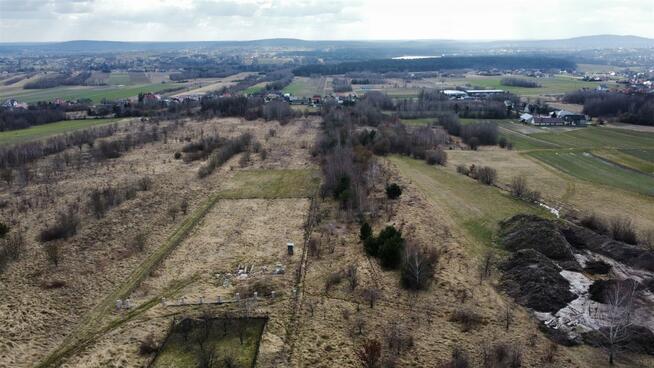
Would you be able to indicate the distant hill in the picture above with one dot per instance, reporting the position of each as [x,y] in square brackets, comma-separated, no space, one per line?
[420,46]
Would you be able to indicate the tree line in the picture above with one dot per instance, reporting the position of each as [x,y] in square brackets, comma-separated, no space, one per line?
[442,63]
[629,108]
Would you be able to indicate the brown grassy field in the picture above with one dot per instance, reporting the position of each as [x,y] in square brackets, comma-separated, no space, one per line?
[242,216]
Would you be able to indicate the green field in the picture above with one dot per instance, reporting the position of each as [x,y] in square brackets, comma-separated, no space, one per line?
[643,154]
[555,85]
[418,122]
[474,207]
[582,138]
[48,130]
[262,183]
[255,89]
[119,78]
[626,159]
[585,166]
[306,87]
[182,350]
[96,94]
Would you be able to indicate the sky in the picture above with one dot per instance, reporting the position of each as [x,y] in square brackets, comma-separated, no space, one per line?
[205,20]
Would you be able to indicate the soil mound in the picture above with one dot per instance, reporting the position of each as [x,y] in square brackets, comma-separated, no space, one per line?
[534,281]
[631,255]
[533,232]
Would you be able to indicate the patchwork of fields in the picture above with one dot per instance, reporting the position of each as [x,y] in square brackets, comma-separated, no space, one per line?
[589,167]
[48,130]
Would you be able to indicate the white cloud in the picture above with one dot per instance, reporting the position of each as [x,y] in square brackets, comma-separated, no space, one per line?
[161,20]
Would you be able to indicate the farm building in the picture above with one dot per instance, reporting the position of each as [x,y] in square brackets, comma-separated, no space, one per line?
[547,121]
[571,118]
[484,92]
[454,94]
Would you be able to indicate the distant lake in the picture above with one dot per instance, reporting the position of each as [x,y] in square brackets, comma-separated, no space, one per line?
[413,57]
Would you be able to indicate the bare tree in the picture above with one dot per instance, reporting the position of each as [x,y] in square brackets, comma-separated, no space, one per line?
[486,266]
[418,265]
[507,315]
[52,253]
[615,316]
[352,276]
[519,186]
[370,295]
[172,212]
[370,354]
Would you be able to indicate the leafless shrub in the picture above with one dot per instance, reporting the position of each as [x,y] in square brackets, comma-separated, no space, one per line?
[462,169]
[359,325]
[519,186]
[467,317]
[550,353]
[138,242]
[183,206]
[370,354]
[52,253]
[647,239]
[13,245]
[148,345]
[485,267]
[66,224]
[398,338]
[352,275]
[436,157]
[145,183]
[486,175]
[172,212]
[595,223]
[332,280]
[245,159]
[314,247]
[622,229]
[507,315]
[7,175]
[459,359]
[370,295]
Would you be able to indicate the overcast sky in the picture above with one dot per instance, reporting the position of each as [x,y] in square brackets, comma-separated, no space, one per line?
[185,20]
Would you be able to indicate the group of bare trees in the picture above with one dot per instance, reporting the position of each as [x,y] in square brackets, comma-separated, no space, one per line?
[227,150]
[100,200]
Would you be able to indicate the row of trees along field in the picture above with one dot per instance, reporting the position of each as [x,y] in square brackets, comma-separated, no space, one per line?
[442,63]
[629,108]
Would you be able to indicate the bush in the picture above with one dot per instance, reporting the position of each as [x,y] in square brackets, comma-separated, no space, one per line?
[473,143]
[365,232]
[595,223]
[622,229]
[388,247]
[467,318]
[502,142]
[52,253]
[393,191]
[332,280]
[436,156]
[177,155]
[148,346]
[486,175]
[66,224]
[462,169]
[4,229]
[138,242]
